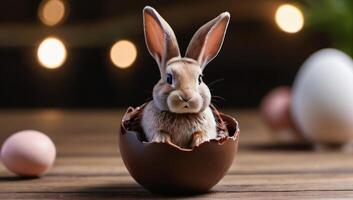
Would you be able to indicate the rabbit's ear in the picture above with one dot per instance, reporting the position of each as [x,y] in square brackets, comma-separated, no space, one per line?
[160,38]
[207,41]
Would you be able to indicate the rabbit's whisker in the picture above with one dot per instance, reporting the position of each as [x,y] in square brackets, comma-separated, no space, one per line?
[149,99]
[214,82]
[215,105]
[218,97]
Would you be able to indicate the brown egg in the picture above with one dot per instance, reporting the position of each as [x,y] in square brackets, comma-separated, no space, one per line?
[275,111]
[167,168]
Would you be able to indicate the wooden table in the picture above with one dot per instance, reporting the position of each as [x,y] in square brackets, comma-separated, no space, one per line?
[88,164]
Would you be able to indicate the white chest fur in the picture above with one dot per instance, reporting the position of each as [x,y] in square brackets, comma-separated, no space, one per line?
[179,126]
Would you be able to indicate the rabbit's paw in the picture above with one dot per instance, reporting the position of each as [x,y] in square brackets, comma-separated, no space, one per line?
[198,138]
[162,137]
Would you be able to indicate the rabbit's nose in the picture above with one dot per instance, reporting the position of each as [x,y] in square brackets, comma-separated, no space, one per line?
[184,98]
[185,95]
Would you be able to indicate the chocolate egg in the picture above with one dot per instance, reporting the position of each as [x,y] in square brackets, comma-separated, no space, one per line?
[167,168]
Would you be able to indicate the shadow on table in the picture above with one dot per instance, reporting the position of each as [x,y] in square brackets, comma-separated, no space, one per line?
[16,178]
[280,147]
[119,191]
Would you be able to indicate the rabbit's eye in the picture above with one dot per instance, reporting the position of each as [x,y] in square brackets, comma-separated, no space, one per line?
[169,79]
[200,79]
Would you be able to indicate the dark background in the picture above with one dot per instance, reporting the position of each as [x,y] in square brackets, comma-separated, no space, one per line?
[256,55]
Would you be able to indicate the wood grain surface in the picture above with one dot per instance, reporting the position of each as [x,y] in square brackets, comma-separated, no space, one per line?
[89,166]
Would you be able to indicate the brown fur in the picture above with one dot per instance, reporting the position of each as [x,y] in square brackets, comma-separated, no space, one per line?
[180,111]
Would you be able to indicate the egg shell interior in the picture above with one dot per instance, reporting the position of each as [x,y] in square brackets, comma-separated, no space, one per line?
[167,168]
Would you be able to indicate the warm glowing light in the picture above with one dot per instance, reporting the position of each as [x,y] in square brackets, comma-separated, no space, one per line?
[289,18]
[123,53]
[51,53]
[51,12]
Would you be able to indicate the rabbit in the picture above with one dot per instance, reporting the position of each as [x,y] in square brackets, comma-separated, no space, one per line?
[180,112]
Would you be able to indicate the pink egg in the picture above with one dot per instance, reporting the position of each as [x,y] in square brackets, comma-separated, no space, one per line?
[275,108]
[28,153]
[275,111]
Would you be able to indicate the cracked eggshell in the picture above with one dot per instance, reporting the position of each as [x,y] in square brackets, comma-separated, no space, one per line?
[322,102]
[166,168]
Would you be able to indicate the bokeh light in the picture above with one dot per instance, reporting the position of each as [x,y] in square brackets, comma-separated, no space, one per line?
[123,54]
[52,12]
[289,18]
[51,53]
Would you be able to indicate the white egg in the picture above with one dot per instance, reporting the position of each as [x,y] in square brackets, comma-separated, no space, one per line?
[28,153]
[322,101]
